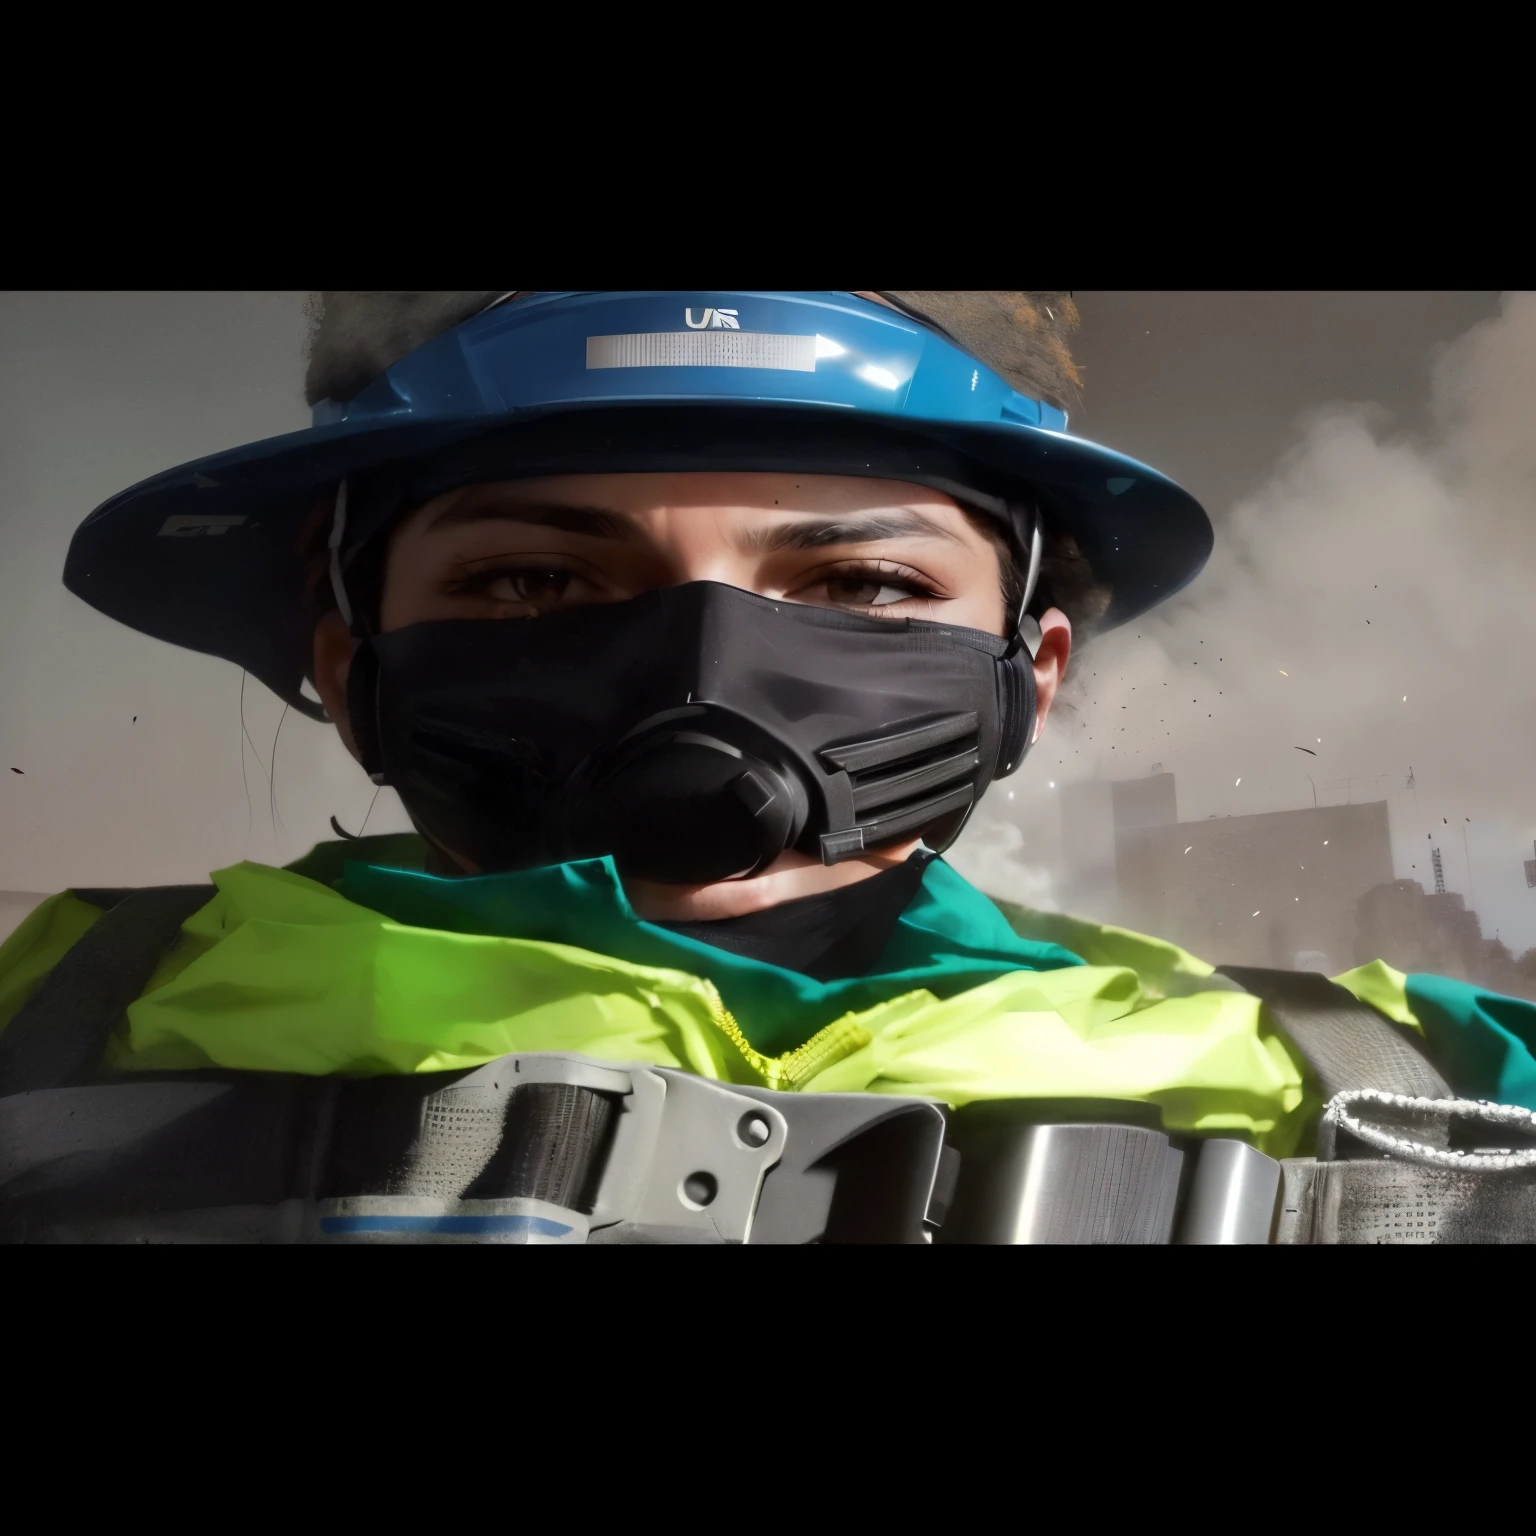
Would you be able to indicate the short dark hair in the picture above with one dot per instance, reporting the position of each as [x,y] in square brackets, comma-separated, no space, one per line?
[1067,582]
[1066,579]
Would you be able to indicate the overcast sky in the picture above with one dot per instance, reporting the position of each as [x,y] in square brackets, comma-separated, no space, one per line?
[1365,457]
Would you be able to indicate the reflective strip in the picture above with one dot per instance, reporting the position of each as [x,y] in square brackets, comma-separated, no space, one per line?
[536,1226]
[703,349]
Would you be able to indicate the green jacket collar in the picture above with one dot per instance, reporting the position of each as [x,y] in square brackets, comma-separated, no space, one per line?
[950,938]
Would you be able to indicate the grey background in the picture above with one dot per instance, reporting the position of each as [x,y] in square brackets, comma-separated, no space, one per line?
[1208,387]
[1306,422]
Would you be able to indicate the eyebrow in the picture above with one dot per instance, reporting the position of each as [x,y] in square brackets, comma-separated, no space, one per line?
[596,523]
[593,522]
[818,533]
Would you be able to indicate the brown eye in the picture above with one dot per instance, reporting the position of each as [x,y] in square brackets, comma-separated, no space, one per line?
[857,591]
[866,589]
[529,586]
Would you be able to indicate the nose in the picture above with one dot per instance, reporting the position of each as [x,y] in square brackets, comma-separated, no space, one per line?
[698,544]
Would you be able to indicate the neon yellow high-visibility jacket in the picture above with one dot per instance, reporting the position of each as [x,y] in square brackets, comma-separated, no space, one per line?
[371,966]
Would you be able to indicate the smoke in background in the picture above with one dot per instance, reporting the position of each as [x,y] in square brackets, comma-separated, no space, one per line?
[1373,603]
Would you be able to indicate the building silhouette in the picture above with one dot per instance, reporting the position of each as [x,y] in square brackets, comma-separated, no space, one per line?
[1309,889]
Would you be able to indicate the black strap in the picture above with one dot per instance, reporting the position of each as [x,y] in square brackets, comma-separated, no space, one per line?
[1347,1043]
[181,1140]
[58,1033]
[828,936]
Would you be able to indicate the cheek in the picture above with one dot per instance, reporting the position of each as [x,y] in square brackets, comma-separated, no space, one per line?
[979,604]
[989,613]
[396,605]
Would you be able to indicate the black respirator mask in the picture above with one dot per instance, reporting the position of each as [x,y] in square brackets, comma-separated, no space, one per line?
[694,733]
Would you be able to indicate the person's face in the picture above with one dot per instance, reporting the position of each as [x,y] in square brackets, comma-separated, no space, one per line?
[520,549]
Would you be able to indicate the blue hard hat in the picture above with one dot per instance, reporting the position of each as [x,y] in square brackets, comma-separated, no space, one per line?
[209,555]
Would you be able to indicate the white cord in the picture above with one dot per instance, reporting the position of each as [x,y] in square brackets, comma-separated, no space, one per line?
[1033,576]
[502,299]
[1512,1115]
[338,529]
[1028,627]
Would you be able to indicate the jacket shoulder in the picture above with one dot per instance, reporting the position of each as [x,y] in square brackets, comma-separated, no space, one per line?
[1162,967]
[43,938]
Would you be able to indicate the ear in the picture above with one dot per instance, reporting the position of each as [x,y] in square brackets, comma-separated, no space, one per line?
[334,649]
[1050,663]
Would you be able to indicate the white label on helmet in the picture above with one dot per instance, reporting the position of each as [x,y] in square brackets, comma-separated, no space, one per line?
[703,349]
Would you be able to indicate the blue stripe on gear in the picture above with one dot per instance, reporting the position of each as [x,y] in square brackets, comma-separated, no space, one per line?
[480,1226]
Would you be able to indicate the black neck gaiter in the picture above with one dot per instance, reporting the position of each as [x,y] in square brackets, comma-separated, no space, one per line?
[831,936]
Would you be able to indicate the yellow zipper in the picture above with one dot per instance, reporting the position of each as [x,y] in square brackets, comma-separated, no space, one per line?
[827,1046]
